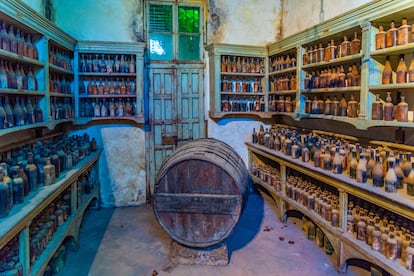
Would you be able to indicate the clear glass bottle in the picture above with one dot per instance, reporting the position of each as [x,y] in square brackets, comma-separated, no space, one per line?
[390,178]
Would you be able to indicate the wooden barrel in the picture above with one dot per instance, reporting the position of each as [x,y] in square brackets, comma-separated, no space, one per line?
[200,192]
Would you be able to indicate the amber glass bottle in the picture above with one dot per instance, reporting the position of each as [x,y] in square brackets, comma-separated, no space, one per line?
[380,38]
[404,33]
[401,70]
[377,112]
[392,35]
[388,108]
[387,72]
[402,110]
[355,44]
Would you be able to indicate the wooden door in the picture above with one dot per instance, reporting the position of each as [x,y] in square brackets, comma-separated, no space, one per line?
[176,111]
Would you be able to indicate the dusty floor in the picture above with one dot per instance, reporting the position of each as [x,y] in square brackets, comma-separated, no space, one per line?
[129,241]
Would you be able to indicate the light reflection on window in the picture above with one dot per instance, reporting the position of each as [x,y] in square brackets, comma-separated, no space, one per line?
[156,47]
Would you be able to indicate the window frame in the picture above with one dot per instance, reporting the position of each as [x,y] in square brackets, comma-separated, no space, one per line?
[175,28]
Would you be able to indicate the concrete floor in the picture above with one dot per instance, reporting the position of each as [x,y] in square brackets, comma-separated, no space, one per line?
[129,241]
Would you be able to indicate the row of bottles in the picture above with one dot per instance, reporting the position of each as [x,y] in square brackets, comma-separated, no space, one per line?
[9,258]
[333,107]
[283,83]
[85,185]
[240,64]
[17,76]
[19,112]
[45,224]
[383,168]
[107,87]
[268,174]
[333,77]
[281,103]
[383,231]
[388,111]
[12,39]
[318,53]
[102,63]
[104,108]
[24,170]
[60,84]
[394,36]
[62,108]
[243,104]
[57,263]
[279,63]
[315,233]
[241,85]
[60,58]
[403,74]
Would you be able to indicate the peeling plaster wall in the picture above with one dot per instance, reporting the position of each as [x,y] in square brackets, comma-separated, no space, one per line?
[299,15]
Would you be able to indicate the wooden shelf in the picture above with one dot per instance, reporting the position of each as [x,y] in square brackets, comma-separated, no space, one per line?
[283,92]
[19,58]
[252,94]
[220,115]
[338,61]
[391,87]
[83,96]
[396,50]
[46,124]
[22,214]
[137,119]
[333,90]
[61,95]
[284,71]
[22,92]
[92,74]
[58,69]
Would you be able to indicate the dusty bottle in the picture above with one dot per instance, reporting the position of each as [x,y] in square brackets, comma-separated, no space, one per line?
[343,107]
[401,71]
[370,164]
[409,263]
[352,107]
[333,50]
[404,33]
[3,121]
[411,70]
[370,230]
[355,45]
[18,186]
[361,170]
[337,162]
[391,246]
[390,178]
[317,155]
[353,165]
[392,35]
[404,246]
[18,114]
[4,197]
[361,229]
[49,172]
[387,72]
[344,48]
[409,180]
[406,165]
[376,238]
[378,173]
[31,172]
[402,110]
[388,108]
[377,112]
[38,112]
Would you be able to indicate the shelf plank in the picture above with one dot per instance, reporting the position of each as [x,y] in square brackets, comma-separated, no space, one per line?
[242,74]
[84,96]
[393,86]
[283,92]
[396,50]
[22,214]
[220,115]
[10,91]
[333,90]
[284,71]
[58,69]
[253,94]
[138,119]
[338,61]
[92,74]
[60,235]
[399,203]
[61,95]
[19,58]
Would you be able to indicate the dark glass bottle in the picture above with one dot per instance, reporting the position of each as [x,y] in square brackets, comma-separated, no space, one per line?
[388,108]
[377,112]
[31,172]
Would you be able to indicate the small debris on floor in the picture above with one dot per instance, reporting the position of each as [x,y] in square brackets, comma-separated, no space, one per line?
[154,273]
[267,228]
[291,242]
[281,238]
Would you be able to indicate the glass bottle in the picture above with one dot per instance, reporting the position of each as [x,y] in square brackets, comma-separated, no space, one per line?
[409,180]
[49,173]
[4,197]
[377,112]
[4,37]
[317,156]
[388,108]
[337,162]
[404,246]
[402,110]
[391,246]
[390,179]
[13,41]
[353,164]
[399,173]
[376,238]
[131,65]
[352,107]
[404,33]
[387,71]
[361,170]
[370,164]
[343,106]
[355,45]
[18,114]
[344,48]
[401,70]
[31,80]
[31,172]
[378,173]
[409,263]
[3,116]
[18,187]
[411,70]
[392,35]
[3,76]
[333,50]
[38,112]
[361,229]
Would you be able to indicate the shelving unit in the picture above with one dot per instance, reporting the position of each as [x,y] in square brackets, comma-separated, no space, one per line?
[234,92]
[18,222]
[110,70]
[345,244]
